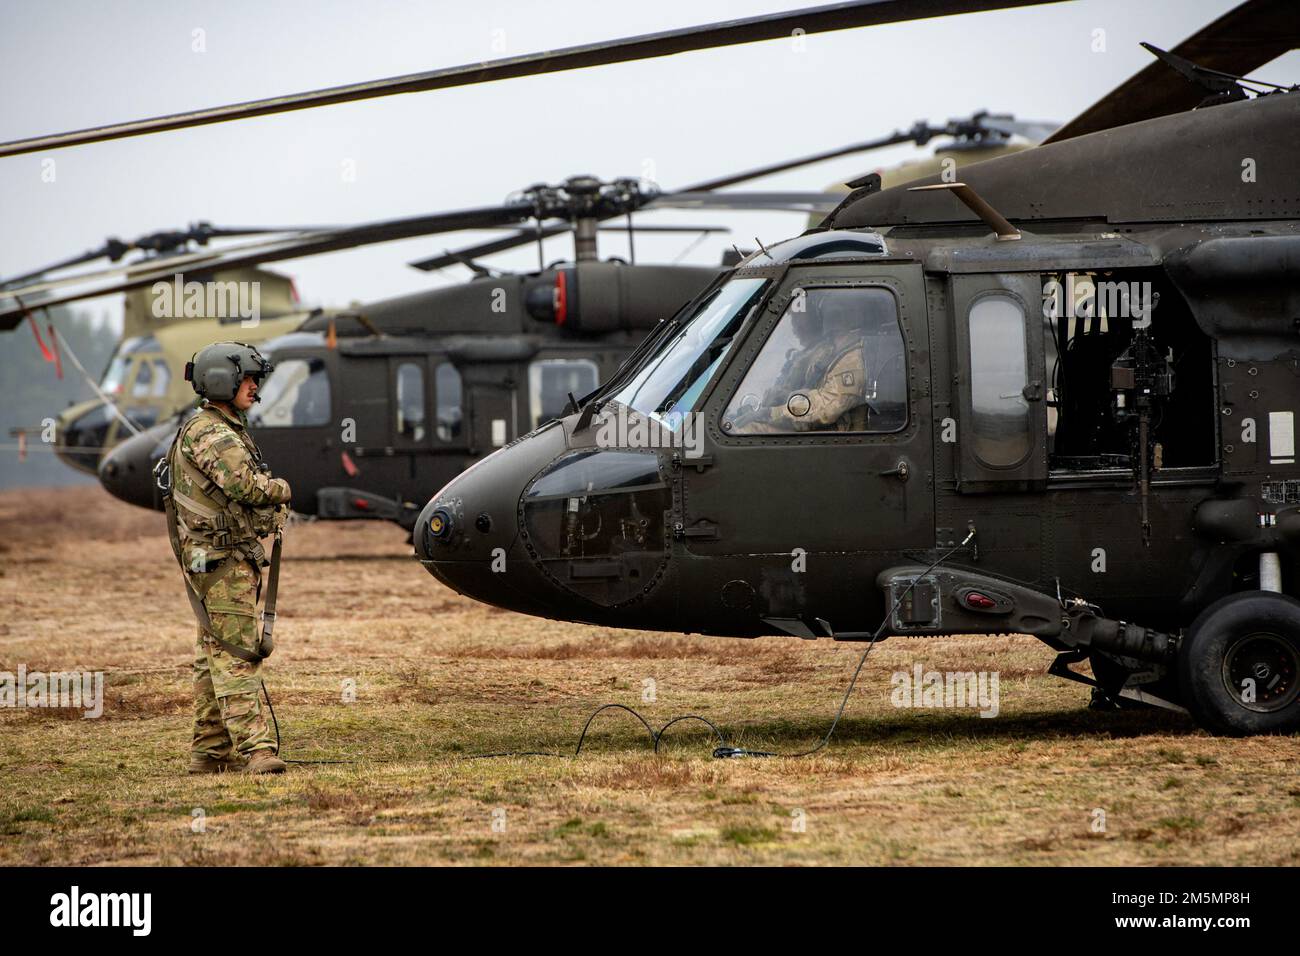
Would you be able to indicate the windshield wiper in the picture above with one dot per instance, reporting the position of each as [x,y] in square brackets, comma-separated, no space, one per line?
[650,342]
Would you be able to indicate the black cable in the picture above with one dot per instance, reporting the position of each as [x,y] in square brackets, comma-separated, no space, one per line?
[271,707]
[723,750]
[740,752]
[583,736]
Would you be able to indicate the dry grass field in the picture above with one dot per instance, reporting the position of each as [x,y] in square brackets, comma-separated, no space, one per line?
[89,583]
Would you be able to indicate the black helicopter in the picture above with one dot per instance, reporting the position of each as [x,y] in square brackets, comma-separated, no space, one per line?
[1076,374]
[1071,409]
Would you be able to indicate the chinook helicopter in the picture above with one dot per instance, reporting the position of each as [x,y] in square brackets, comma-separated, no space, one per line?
[1118,479]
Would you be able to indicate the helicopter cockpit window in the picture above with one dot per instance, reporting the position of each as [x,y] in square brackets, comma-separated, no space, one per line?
[552,381]
[115,376]
[670,380]
[999,374]
[836,362]
[143,384]
[162,377]
[295,395]
[447,394]
[410,401]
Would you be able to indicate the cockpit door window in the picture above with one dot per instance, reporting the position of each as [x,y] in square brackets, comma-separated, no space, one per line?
[836,362]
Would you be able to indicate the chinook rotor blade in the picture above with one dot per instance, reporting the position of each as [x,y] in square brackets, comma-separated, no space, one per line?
[823,19]
[1242,40]
[12,306]
[26,277]
[114,249]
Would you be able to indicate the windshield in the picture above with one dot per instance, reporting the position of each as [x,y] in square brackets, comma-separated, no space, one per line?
[670,380]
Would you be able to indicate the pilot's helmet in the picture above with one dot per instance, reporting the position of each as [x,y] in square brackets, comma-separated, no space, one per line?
[217,370]
[840,312]
[807,324]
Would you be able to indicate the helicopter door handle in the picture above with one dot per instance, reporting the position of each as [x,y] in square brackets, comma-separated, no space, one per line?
[901,471]
[703,531]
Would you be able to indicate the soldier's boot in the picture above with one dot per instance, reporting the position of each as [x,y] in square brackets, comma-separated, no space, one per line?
[264,761]
[205,763]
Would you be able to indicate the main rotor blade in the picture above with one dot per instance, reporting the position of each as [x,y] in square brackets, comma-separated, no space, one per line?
[147,264]
[1033,130]
[823,19]
[1242,40]
[85,257]
[894,138]
[637,227]
[450,258]
[756,201]
[157,241]
[294,247]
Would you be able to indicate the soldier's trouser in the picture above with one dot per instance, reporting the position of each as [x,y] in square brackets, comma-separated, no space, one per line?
[228,714]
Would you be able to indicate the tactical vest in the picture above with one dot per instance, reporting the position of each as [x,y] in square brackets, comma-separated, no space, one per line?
[206,515]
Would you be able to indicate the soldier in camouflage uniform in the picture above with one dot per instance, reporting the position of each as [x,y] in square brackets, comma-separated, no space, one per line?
[224,501]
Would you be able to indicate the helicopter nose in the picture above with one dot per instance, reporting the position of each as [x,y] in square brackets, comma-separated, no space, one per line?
[126,472]
[80,434]
[468,535]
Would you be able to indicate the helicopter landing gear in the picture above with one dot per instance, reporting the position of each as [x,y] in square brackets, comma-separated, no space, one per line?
[1239,666]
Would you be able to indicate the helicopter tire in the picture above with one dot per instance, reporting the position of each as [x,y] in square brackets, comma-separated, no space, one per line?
[1239,665]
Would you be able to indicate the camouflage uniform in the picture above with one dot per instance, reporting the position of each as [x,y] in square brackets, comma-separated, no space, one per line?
[819,389]
[221,555]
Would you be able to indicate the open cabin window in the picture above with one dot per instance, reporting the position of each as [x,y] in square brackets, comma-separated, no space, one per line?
[1091,319]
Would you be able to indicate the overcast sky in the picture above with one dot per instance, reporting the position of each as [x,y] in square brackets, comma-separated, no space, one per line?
[68,64]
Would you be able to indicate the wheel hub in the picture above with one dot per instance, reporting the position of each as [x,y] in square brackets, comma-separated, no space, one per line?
[1260,671]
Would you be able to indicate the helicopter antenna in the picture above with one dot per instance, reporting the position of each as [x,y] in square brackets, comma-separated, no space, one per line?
[760,246]
[691,248]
